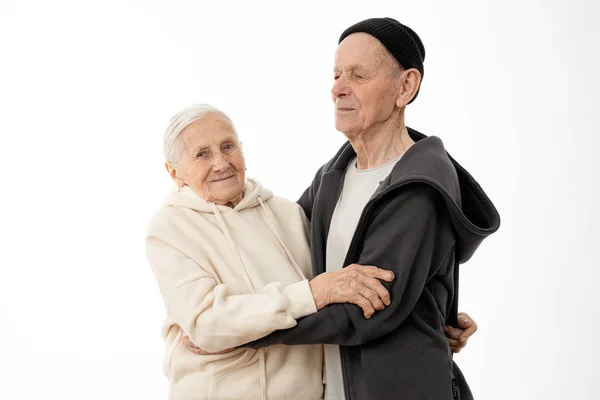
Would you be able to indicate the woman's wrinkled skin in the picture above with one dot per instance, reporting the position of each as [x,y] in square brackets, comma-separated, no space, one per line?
[212,162]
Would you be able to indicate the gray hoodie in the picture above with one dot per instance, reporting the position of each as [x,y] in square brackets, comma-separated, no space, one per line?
[428,216]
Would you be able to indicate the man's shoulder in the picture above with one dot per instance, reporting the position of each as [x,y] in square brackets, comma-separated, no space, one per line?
[406,201]
[427,162]
[338,161]
[341,158]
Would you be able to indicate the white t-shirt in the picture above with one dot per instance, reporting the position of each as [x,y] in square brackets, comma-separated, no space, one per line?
[359,186]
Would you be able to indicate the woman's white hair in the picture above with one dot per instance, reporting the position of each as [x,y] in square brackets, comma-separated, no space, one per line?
[172,145]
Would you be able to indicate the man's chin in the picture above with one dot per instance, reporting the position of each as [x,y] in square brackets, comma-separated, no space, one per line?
[345,129]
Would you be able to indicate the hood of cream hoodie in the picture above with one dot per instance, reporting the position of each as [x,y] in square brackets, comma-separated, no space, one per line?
[229,276]
[187,198]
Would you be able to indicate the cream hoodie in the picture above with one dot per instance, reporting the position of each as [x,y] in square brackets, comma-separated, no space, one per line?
[229,276]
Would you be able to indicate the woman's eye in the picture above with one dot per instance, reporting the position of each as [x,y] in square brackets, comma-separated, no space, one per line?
[336,77]
[227,147]
[201,154]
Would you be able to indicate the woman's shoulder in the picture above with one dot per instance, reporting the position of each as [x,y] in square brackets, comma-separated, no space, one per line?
[165,218]
[288,212]
[283,203]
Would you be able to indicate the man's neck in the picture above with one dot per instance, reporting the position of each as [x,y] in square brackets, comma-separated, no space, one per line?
[381,145]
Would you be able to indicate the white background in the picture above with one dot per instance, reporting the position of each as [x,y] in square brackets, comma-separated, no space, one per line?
[87,88]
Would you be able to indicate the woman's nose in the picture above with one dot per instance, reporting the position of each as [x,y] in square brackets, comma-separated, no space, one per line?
[220,162]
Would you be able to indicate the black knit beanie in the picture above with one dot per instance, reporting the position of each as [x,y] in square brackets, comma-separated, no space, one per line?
[401,41]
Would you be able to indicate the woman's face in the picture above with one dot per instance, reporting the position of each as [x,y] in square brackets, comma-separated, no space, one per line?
[212,163]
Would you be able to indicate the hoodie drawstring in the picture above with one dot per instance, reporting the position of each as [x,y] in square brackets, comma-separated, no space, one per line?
[250,286]
[262,367]
[233,248]
[271,224]
[269,219]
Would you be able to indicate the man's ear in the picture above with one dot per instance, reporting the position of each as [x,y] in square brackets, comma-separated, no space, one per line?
[410,80]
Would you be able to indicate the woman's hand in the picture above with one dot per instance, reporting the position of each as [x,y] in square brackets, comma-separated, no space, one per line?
[357,284]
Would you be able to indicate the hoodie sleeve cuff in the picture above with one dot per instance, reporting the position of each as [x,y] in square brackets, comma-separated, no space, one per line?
[301,301]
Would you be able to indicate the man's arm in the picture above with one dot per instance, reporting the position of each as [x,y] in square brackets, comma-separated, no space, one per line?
[416,227]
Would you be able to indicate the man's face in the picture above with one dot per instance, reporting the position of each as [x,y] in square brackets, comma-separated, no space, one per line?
[365,90]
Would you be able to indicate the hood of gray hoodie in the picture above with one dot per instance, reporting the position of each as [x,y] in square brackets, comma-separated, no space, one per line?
[473,214]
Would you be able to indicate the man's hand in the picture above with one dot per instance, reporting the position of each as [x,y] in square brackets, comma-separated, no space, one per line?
[457,337]
[357,284]
[195,349]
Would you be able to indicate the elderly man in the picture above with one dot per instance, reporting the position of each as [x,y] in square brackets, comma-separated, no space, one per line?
[394,198]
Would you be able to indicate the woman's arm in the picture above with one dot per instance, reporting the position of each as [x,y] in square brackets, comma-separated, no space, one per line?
[216,316]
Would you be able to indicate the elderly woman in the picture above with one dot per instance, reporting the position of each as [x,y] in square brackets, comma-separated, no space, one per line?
[232,262]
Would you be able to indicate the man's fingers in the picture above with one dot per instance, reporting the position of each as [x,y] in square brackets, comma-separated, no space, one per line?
[198,351]
[192,347]
[455,349]
[188,342]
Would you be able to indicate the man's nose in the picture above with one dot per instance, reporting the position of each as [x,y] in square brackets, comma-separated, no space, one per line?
[340,88]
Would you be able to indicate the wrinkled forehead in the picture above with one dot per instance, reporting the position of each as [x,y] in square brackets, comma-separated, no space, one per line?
[213,127]
[360,48]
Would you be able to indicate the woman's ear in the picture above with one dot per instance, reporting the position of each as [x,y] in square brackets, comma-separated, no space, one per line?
[173,174]
[171,170]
